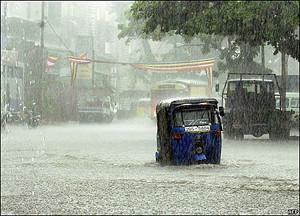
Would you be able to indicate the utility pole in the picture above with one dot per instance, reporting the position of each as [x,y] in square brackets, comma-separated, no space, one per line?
[5,23]
[42,25]
[93,65]
[4,65]
[42,56]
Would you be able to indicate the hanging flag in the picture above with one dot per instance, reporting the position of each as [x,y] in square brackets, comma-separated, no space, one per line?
[206,65]
[74,61]
[183,66]
[84,55]
[50,62]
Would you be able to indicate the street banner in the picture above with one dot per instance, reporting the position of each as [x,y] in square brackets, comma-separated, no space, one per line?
[74,62]
[206,65]
[50,62]
[181,66]
[202,65]
[84,55]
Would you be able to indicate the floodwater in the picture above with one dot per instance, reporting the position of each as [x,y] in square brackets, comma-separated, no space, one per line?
[111,169]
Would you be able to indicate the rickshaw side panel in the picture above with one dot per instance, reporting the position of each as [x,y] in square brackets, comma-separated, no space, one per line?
[164,153]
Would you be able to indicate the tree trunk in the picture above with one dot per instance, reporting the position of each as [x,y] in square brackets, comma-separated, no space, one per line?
[283,80]
[148,52]
[263,55]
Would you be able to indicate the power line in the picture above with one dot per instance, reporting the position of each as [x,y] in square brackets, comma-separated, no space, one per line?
[59,37]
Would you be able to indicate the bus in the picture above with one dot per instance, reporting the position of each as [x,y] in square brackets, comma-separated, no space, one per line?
[176,89]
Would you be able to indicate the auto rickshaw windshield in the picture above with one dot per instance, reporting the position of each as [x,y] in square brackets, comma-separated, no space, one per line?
[194,116]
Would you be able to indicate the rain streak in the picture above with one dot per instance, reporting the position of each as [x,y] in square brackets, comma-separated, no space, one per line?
[118,108]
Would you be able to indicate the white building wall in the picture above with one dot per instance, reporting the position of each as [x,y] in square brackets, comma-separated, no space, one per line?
[23,9]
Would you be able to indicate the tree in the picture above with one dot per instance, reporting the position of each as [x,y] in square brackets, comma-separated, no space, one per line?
[180,19]
[248,22]
[132,30]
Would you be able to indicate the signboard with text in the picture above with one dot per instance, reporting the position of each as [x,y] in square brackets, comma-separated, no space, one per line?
[84,71]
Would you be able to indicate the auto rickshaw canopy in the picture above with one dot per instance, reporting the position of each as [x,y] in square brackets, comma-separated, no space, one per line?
[166,104]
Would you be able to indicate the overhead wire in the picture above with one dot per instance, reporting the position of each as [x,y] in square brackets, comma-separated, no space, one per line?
[58,37]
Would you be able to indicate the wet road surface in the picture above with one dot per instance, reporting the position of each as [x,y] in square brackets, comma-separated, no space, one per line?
[111,169]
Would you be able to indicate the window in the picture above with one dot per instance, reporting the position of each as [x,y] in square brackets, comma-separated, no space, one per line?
[178,119]
[269,87]
[249,87]
[193,117]
[278,103]
[295,103]
[232,86]
[286,103]
[257,88]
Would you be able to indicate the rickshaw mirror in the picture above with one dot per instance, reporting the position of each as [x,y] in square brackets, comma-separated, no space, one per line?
[221,110]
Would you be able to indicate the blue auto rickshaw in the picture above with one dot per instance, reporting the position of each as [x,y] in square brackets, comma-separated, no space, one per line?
[189,131]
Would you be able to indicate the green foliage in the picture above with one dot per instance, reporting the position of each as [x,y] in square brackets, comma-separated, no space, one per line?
[60,103]
[134,30]
[118,9]
[255,23]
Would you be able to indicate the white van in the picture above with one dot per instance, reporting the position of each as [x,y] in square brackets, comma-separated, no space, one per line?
[292,103]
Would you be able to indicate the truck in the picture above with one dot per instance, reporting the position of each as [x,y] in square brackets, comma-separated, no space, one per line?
[249,101]
[95,105]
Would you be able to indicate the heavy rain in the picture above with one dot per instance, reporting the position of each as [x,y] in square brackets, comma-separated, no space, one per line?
[149,108]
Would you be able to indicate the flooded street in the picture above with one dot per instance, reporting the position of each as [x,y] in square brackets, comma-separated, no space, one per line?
[81,81]
[111,169]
